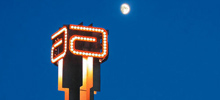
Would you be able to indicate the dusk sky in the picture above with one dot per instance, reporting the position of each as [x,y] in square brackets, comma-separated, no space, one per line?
[161,50]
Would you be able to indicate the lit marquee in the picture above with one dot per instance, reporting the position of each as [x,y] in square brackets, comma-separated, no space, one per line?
[103,32]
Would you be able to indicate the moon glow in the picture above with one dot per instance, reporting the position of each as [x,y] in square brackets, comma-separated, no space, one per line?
[125,8]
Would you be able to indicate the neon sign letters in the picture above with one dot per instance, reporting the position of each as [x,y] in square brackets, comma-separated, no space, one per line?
[63,31]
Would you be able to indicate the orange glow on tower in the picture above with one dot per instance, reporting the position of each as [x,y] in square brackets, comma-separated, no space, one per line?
[87,78]
[60,80]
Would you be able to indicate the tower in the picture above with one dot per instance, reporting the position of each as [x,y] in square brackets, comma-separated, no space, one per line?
[78,51]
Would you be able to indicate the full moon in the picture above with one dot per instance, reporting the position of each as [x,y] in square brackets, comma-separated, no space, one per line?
[125,9]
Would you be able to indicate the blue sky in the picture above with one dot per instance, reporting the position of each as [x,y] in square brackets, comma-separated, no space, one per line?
[161,50]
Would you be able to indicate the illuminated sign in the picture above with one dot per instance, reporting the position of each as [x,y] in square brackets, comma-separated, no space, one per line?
[63,40]
[78,51]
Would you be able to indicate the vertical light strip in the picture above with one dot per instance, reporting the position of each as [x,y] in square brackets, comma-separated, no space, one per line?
[87,78]
[84,73]
[84,79]
[60,80]
[90,76]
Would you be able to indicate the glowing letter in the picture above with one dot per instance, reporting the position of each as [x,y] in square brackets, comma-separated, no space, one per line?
[73,50]
[58,43]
